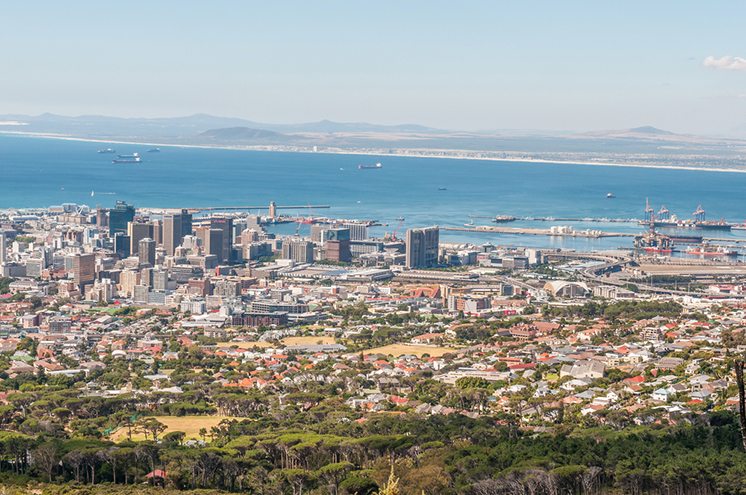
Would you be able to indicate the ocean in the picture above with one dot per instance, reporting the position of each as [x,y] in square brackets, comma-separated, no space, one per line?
[39,172]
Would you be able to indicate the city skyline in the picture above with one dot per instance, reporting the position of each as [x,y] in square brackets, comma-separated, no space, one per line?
[537,65]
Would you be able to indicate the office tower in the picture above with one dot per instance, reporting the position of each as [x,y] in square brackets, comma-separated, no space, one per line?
[212,241]
[175,227]
[248,236]
[272,210]
[158,231]
[83,269]
[160,280]
[137,232]
[335,244]
[3,247]
[146,251]
[122,245]
[127,282]
[358,231]
[119,217]
[298,251]
[226,225]
[102,218]
[422,247]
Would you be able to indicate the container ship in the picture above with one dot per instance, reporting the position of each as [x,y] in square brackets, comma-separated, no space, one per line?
[370,167]
[133,158]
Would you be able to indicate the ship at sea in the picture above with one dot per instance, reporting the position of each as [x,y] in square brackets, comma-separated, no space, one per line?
[369,167]
[706,249]
[154,150]
[107,150]
[503,219]
[133,158]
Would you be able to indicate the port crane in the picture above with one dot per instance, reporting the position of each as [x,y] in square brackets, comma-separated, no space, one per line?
[392,236]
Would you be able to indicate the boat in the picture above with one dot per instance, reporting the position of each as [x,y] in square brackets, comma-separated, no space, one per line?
[503,219]
[610,195]
[713,225]
[400,219]
[711,250]
[107,150]
[133,155]
[154,150]
[368,167]
[442,189]
[135,159]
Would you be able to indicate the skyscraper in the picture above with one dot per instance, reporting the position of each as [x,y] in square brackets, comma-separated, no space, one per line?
[122,245]
[137,232]
[175,227]
[335,244]
[119,217]
[146,251]
[212,241]
[422,247]
[226,225]
[83,269]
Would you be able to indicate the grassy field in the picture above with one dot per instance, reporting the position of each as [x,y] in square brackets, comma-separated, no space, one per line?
[245,345]
[310,340]
[302,340]
[190,425]
[416,349]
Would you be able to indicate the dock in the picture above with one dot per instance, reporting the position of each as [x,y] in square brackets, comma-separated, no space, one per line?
[490,229]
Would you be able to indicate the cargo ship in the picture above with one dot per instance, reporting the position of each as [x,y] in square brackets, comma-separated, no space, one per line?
[503,219]
[107,150]
[133,158]
[370,167]
[711,250]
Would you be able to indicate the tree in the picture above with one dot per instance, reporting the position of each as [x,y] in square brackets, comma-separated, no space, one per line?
[45,458]
[150,426]
[739,365]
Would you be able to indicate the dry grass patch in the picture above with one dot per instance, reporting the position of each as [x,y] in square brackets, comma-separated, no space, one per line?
[415,349]
[190,425]
[309,340]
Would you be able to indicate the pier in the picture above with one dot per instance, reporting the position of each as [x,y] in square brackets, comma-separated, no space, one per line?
[489,229]
[279,207]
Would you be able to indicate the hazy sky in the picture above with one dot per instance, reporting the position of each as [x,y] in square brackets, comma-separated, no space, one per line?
[452,64]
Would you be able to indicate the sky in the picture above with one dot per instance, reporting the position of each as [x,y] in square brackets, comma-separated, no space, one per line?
[472,65]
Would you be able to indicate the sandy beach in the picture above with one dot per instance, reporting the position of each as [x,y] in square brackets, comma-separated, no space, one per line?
[409,153]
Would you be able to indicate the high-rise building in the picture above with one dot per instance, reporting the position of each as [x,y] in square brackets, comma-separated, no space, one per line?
[226,225]
[335,243]
[212,241]
[422,247]
[83,269]
[119,217]
[358,231]
[298,250]
[122,245]
[137,232]
[146,251]
[102,218]
[175,227]
[3,248]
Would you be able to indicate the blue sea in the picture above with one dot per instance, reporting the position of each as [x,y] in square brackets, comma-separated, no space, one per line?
[39,172]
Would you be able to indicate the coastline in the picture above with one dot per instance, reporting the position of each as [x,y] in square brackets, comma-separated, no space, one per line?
[403,153]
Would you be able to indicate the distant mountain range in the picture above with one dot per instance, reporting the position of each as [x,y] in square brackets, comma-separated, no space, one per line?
[644,143]
[189,126]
